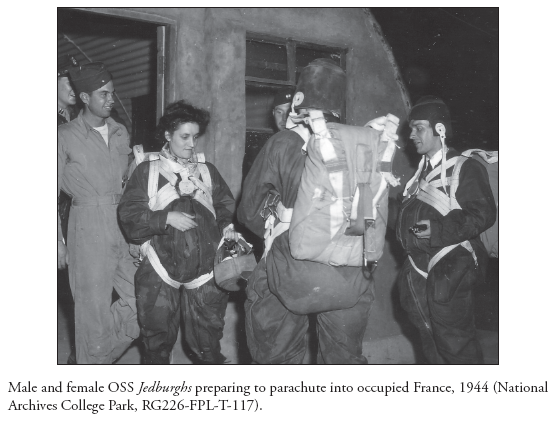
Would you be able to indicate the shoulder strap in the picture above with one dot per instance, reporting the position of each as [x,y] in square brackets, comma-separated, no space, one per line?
[153,173]
[455,178]
[205,174]
[490,157]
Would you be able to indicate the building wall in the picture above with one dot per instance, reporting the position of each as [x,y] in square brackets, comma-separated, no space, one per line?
[206,66]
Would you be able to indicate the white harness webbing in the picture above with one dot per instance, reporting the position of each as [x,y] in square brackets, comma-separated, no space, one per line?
[429,192]
[159,199]
[271,233]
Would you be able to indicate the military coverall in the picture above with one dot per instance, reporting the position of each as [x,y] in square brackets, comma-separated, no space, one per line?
[99,260]
[280,286]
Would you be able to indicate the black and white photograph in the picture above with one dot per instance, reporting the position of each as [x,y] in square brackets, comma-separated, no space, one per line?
[349,177]
[262,199]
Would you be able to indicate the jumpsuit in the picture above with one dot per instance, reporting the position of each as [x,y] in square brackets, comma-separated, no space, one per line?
[91,173]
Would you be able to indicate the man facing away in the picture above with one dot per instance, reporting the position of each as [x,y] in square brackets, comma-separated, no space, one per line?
[275,333]
[445,257]
[92,159]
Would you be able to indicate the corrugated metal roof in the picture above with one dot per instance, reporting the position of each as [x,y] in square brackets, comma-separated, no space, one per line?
[132,62]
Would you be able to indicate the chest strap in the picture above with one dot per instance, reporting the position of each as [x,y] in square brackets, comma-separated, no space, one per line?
[431,193]
[160,199]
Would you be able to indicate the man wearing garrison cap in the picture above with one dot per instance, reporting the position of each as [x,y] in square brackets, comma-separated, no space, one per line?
[93,154]
[445,257]
[282,106]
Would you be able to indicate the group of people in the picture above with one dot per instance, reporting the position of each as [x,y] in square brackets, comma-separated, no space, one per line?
[151,235]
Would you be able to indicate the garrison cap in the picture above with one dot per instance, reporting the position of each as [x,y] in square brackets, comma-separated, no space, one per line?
[90,76]
[65,62]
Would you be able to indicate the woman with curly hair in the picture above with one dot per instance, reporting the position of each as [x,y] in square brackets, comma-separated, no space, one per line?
[178,207]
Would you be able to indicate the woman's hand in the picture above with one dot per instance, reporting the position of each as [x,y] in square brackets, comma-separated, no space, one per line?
[181,221]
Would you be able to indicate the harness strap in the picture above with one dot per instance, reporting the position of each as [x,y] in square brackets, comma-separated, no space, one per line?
[421,272]
[437,257]
[165,196]
[160,199]
[271,233]
[434,197]
[148,250]
[153,171]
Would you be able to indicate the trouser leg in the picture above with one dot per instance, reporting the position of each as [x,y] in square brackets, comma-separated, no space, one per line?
[203,310]
[124,310]
[158,314]
[452,319]
[340,332]
[274,334]
[412,293]
[65,299]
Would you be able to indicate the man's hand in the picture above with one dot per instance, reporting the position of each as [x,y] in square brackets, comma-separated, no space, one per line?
[181,221]
[63,257]
[424,233]
[135,250]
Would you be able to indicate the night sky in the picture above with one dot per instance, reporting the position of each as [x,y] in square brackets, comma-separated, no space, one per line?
[452,53]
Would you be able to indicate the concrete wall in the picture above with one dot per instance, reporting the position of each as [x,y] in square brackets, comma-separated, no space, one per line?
[206,66]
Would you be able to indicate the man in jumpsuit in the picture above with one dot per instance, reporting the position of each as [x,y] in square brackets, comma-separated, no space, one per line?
[275,334]
[93,155]
[66,112]
[440,301]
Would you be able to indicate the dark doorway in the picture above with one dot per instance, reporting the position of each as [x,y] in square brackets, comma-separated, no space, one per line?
[131,51]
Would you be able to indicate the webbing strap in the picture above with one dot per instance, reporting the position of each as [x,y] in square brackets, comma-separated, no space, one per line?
[165,196]
[336,180]
[170,176]
[205,174]
[438,256]
[148,250]
[434,197]
[159,199]
[455,178]
[490,157]
[153,172]
[271,233]
[421,272]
